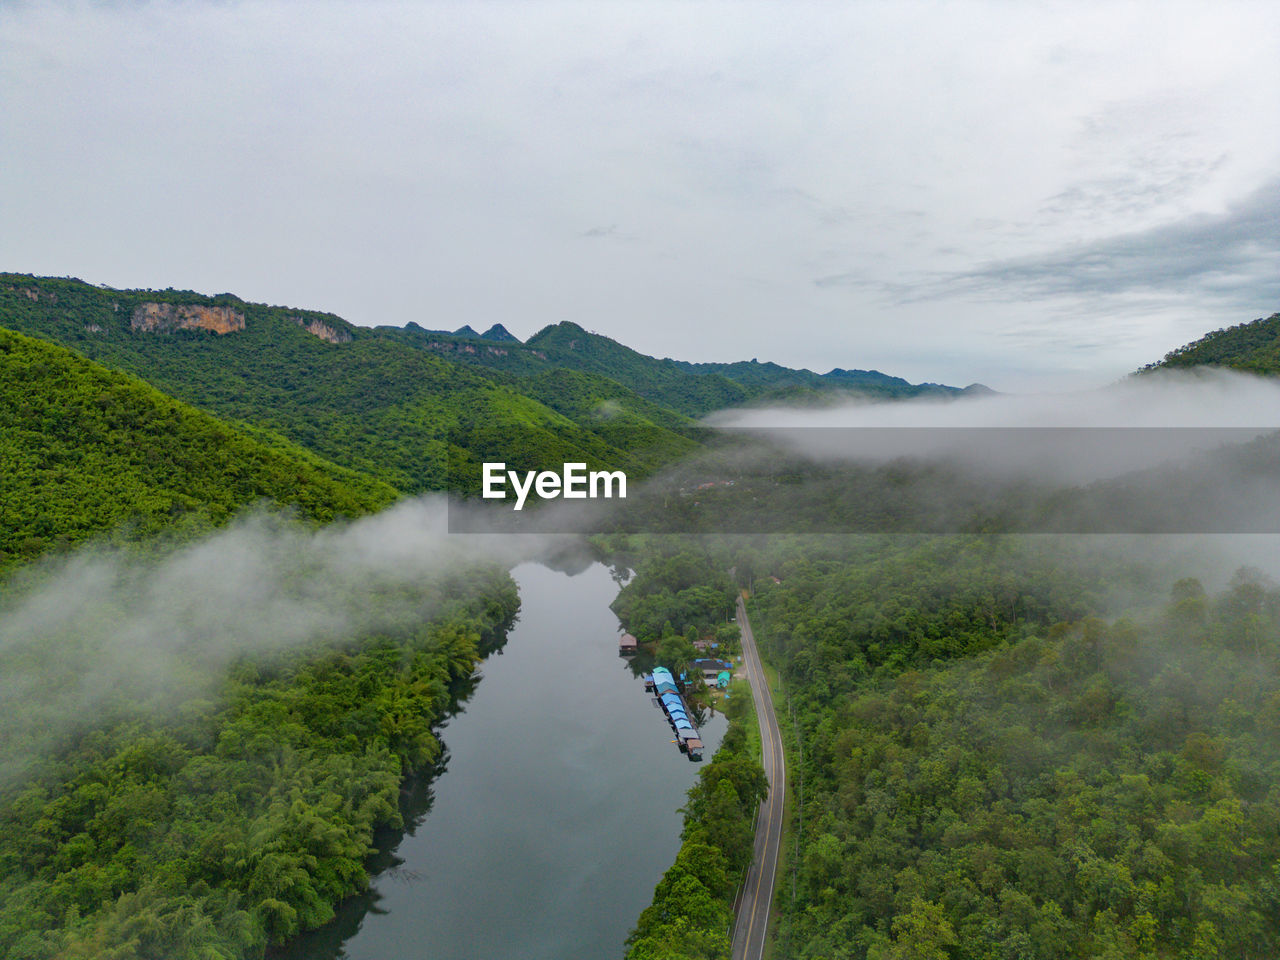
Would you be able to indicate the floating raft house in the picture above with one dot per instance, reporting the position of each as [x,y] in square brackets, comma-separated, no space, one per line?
[664,686]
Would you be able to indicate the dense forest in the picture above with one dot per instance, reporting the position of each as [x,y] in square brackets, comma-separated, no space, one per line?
[692,911]
[691,388]
[677,592]
[1002,747]
[988,769]
[86,451]
[394,402]
[360,399]
[1253,346]
[210,794]
[242,815]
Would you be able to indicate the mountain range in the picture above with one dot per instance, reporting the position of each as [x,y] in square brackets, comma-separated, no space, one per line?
[142,407]
[397,403]
[143,414]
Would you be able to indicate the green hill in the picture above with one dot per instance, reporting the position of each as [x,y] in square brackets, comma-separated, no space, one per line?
[659,380]
[978,774]
[569,346]
[84,449]
[355,396]
[1246,346]
[400,404]
[767,380]
[694,389]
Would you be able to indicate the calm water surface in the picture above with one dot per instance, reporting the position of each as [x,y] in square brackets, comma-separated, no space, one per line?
[555,815]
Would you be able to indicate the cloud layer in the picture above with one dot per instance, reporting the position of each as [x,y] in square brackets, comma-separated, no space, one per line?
[957,192]
[130,633]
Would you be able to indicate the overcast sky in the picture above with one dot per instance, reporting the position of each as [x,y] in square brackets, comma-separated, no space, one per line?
[1023,194]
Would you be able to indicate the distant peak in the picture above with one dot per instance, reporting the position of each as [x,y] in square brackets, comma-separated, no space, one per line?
[864,377]
[499,332]
[466,331]
[555,332]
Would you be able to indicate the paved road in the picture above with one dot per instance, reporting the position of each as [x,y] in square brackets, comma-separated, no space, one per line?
[753,910]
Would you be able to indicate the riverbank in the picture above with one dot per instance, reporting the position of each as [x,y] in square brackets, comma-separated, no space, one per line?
[559,809]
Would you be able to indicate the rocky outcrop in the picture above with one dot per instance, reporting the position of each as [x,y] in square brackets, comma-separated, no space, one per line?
[161,317]
[318,328]
[34,293]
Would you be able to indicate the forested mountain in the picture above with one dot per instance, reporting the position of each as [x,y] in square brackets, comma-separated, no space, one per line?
[246,812]
[987,760]
[691,388]
[770,379]
[992,758]
[1251,346]
[355,396]
[84,450]
[390,401]
[221,793]
[570,347]
[987,772]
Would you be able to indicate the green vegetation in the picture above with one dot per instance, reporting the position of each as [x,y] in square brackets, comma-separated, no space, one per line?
[416,409]
[366,401]
[679,592]
[1246,346]
[677,588]
[653,435]
[691,917]
[237,821]
[568,346]
[659,380]
[769,381]
[84,450]
[989,771]
[988,768]
[693,389]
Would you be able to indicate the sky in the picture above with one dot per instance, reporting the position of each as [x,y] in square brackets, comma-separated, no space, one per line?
[1033,196]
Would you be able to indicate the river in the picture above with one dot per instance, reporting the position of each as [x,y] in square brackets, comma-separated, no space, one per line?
[556,811]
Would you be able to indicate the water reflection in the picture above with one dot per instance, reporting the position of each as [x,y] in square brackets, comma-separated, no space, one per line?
[558,813]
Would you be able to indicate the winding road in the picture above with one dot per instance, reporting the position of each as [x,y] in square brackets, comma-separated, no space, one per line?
[752,926]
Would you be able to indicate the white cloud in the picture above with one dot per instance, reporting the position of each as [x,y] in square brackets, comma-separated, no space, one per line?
[447,163]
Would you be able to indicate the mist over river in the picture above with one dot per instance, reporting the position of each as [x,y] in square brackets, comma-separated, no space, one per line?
[555,814]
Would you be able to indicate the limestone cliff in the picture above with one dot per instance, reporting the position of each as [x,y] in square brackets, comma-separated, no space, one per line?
[161,317]
[318,328]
